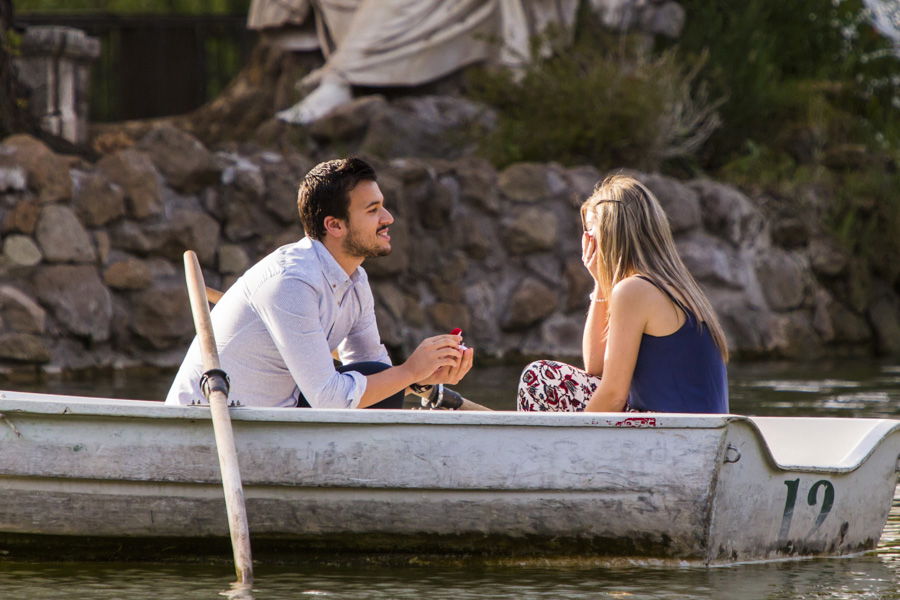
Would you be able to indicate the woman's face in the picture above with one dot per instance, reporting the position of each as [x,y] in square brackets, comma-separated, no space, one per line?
[588,220]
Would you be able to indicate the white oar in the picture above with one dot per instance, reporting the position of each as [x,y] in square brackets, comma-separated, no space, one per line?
[216,391]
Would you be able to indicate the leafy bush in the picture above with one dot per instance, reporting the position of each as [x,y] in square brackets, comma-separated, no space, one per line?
[606,101]
[773,60]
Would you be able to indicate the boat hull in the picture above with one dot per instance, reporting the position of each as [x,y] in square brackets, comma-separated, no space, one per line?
[663,486]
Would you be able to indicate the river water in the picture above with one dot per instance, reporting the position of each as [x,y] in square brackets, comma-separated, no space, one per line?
[855,388]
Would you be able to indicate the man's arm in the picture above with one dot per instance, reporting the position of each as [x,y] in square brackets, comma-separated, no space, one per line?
[289,309]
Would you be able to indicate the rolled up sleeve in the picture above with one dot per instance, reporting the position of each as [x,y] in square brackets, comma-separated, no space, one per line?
[289,309]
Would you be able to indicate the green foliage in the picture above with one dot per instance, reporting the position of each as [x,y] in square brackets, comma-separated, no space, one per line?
[866,217]
[771,60]
[605,101]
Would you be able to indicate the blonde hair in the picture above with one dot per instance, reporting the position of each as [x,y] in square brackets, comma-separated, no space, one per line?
[633,237]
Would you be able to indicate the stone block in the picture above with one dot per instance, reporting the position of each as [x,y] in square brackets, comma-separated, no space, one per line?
[62,237]
[233,259]
[77,299]
[135,173]
[581,180]
[478,183]
[727,212]
[283,179]
[21,251]
[128,274]
[579,284]
[782,277]
[884,314]
[530,230]
[20,312]
[129,236]
[182,159]
[22,217]
[445,316]
[23,347]
[681,203]
[435,211]
[533,182]
[427,127]
[48,173]
[531,302]
[349,120]
[97,200]
[162,315]
[195,230]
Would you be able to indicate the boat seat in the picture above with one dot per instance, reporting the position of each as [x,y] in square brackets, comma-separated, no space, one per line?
[822,443]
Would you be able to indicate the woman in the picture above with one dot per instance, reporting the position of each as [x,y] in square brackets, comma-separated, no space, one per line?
[651,341]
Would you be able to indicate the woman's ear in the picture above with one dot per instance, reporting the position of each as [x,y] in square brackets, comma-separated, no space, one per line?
[335,227]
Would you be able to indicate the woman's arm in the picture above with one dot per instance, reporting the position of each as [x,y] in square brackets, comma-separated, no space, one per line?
[629,310]
[593,340]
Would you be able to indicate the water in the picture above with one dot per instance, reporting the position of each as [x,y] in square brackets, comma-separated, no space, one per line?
[857,389]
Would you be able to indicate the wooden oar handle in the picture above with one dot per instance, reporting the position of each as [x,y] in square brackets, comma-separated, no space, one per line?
[224,435]
[213,295]
[451,400]
[200,310]
[469,405]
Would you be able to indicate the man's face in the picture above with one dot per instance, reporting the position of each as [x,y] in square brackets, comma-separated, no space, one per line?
[368,222]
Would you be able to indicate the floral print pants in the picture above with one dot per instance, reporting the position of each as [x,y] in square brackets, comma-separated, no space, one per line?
[547,385]
[551,386]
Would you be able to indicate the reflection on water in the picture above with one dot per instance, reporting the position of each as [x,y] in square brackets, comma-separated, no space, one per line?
[858,389]
[844,389]
[869,577]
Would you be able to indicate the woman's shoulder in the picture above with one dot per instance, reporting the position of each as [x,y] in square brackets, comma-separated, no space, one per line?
[634,293]
[634,287]
[640,293]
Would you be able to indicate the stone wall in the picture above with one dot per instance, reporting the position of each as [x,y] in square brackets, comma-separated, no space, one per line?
[91,272]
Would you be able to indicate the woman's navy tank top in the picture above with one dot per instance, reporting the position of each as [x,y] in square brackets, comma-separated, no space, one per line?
[681,372]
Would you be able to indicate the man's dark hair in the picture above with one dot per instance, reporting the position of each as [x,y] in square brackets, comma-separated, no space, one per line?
[325,192]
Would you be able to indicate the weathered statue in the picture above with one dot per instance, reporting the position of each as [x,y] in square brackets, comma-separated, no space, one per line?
[402,42]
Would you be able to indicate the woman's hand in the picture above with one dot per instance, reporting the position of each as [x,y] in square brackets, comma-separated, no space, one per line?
[590,256]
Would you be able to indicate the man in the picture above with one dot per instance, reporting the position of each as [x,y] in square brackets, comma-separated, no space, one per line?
[277,326]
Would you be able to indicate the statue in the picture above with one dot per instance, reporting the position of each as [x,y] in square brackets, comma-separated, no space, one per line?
[401,42]
[885,16]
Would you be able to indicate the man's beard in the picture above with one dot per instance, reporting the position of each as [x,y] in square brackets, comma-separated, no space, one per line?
[354,247]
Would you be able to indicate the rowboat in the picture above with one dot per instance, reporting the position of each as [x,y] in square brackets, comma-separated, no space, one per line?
[111,478]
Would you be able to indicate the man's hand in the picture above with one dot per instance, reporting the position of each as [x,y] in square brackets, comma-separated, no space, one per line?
[452,375]
[435,354]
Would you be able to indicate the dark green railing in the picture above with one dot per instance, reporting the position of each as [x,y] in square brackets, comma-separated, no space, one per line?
[155,65]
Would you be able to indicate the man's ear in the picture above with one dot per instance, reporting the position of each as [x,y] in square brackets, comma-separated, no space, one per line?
[335,227]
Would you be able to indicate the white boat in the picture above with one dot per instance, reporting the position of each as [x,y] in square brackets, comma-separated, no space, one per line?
[137,476]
